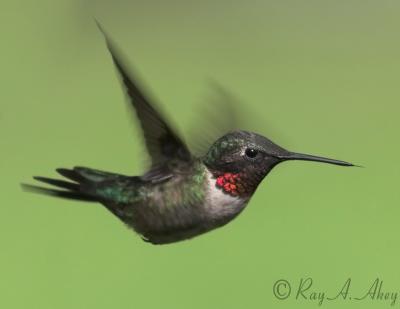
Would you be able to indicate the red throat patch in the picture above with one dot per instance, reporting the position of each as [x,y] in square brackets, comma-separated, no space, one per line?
[230,183]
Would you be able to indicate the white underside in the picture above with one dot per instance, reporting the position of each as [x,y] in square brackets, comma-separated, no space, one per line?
[220,203]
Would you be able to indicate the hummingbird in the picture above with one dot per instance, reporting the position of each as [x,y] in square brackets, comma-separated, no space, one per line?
[182,195]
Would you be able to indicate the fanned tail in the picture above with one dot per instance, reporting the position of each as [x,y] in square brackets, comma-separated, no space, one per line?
[81,184]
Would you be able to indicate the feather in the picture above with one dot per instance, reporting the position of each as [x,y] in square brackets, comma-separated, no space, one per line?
[161,141]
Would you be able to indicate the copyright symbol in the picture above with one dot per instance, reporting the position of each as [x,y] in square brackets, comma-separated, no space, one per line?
[282,289]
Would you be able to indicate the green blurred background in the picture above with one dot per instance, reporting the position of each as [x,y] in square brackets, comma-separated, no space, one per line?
[319,77]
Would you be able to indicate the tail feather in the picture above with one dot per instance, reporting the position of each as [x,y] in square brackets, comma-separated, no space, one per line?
[59,183]
[81,186]
[70,174]
[71,195]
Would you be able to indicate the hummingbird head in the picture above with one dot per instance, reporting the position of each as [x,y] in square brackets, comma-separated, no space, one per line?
[240,160]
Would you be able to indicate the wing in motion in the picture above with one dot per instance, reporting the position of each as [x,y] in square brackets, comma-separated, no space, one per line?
[161,141]
[217,115]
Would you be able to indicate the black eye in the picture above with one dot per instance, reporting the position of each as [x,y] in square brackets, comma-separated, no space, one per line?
[251,152]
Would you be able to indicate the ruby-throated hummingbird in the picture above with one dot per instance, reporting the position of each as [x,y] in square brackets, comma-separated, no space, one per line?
[182,195]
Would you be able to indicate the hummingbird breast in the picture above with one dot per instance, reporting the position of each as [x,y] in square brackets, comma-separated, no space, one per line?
[180,208]
[219,204]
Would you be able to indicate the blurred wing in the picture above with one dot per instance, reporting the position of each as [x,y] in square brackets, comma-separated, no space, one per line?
[216,116]
[223,112]
[161,141]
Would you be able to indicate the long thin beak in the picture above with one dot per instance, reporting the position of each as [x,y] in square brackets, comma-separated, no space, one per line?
[306,157]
